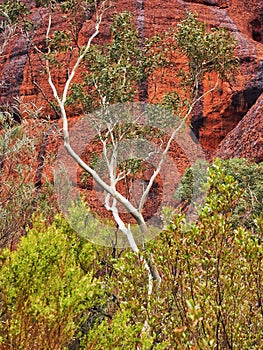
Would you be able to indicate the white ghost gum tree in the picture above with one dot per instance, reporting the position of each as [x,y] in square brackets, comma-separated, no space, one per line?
[110,74]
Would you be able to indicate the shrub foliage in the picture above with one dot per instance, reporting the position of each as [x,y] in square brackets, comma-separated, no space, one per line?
[59,291]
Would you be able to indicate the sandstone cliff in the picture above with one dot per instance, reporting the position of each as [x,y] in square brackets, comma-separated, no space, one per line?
[219,113]
[246,139]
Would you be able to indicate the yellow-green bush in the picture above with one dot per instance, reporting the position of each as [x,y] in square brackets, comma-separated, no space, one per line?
[211,291]
[47,290]
[210,296]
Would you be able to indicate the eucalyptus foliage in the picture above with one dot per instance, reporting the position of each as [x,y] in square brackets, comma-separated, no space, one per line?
[112,71]
[13,11]
[207,50]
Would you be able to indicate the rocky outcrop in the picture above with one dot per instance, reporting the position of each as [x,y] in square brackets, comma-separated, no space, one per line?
[215,117]
[246,139]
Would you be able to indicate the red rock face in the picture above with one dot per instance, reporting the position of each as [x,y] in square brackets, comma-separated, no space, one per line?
[247,137]
[215,117]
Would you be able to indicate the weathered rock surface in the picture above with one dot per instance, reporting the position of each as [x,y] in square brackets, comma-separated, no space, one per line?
[219,113]
[246,139]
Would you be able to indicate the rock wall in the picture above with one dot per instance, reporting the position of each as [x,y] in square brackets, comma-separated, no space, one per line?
[246,139]
[217,115]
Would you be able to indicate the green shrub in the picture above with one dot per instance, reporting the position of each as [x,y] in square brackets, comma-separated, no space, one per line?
[212,275]
[249,178]
[210,296]
[211,291]
[47,290]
